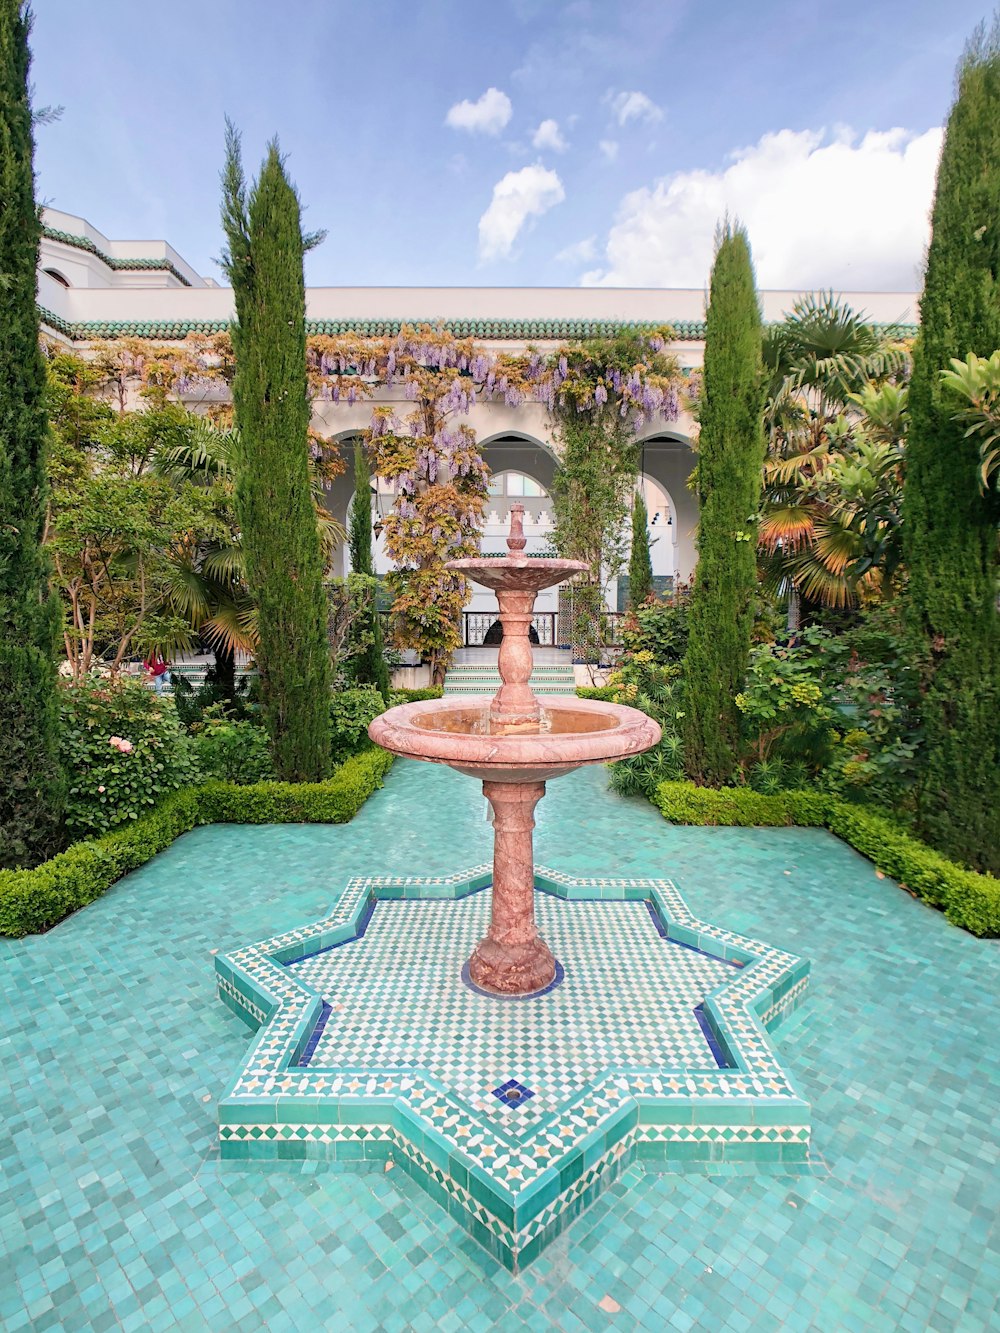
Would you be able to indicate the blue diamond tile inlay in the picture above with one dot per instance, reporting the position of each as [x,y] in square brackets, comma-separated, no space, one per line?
[512,1093]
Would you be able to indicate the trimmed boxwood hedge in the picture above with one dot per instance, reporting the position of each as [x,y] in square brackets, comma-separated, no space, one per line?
[967,898]
[33,900]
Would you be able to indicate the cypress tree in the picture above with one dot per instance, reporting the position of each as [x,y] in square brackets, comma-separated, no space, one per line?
[949,525]
[640,567]
[32,792]
[730,458]
[284,564]
[370,668]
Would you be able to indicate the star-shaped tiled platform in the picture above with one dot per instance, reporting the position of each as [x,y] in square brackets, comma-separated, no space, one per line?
[514,1113]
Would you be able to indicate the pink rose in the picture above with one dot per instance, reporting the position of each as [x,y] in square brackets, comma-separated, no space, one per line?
[120,744]
[102,789]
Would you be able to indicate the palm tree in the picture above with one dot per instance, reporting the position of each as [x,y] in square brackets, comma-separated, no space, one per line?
[834,417]
[207,586]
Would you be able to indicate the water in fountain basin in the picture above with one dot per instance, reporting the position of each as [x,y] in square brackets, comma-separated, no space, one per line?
[476,722]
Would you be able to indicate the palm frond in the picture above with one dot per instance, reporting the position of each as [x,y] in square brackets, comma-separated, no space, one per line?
[787,528]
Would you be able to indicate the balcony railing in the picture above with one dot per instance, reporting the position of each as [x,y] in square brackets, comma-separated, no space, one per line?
[477,627]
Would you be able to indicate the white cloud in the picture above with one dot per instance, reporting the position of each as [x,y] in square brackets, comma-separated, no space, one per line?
[518,196]
[842,213]
[549,135]
[609,147]
[580,252]
[488,115]
[634,106]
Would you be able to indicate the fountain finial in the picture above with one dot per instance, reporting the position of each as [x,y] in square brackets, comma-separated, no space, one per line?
[516,541]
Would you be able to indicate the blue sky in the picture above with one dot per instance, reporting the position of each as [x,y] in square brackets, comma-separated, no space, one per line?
[666,112]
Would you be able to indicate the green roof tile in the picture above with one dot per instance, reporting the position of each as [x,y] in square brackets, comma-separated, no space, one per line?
[685,330]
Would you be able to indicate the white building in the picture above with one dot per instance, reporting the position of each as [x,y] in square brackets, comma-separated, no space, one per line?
[92,287]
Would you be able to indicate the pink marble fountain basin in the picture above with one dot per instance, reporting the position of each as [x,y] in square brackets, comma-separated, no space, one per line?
[568,734]
[516,573]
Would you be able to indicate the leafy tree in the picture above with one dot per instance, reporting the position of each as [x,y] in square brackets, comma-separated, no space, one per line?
[32,790]
[730,454]
[284,565]
[950,523]
[369,666]
[127,535]
[640,567]
[115,541]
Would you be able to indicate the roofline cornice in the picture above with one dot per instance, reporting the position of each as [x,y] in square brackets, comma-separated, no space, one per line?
[112,262]
[514,330]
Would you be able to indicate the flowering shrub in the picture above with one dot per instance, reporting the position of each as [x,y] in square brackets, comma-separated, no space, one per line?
[123,750]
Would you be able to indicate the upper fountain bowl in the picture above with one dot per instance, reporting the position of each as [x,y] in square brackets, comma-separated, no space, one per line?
[514,573]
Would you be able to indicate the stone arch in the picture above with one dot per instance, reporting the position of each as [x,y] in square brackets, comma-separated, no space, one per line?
[517,451]
[667,459]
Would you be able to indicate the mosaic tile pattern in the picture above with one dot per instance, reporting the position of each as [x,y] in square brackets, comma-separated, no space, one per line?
[656,1023]
[116,1215]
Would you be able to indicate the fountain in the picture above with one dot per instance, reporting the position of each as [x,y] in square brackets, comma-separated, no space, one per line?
[514,745]
[512,1115]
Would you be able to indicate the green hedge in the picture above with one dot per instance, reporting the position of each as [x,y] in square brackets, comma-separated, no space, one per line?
[415,696]
[967,898]
[33,900]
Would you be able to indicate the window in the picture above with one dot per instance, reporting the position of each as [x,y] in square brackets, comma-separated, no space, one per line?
[516,485]
[57,277]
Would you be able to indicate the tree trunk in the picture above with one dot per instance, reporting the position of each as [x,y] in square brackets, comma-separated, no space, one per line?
[225,669]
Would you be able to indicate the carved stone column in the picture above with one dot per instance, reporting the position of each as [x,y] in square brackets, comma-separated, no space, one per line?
[513,959]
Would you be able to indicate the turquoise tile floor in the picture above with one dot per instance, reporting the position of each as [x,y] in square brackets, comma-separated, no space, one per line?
[115,1212]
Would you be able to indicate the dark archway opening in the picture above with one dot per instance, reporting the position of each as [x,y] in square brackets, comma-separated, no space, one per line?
[495,634]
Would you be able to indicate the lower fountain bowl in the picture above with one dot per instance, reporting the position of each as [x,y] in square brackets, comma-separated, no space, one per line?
[570,733]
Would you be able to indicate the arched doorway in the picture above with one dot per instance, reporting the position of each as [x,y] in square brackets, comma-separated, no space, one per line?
[666,463]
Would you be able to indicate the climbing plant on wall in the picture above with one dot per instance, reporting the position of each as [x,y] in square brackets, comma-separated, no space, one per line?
[600,394]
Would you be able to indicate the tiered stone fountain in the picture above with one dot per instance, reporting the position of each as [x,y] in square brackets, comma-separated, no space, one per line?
[514,744]
[513,1116]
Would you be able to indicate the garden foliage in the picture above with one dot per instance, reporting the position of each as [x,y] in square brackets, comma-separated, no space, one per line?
[284,564]
[228,749]
[351,711]
[950,530]
[31,782]
[837,710]
[730,457]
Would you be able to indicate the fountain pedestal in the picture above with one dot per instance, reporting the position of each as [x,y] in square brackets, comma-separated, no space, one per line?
[512,958]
